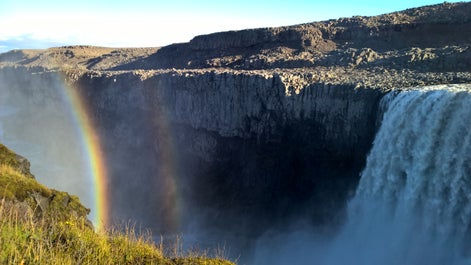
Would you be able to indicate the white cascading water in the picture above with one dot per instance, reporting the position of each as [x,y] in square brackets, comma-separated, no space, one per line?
[413,202]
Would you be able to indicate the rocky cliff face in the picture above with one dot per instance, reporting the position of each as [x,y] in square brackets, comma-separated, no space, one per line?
[242,141]
[252,126]
[240,138]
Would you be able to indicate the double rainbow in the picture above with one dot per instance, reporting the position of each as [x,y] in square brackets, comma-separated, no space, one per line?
[169,201]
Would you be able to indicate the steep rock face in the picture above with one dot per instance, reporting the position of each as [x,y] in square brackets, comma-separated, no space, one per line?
[243,105]
[235,142]
[238,142]
[263,106]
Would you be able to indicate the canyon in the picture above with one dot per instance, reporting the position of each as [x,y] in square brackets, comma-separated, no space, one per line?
[239,133]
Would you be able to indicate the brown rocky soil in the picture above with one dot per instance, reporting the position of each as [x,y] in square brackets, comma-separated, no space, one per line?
[430,44]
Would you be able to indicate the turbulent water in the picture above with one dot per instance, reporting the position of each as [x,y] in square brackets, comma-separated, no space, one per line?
[413,202]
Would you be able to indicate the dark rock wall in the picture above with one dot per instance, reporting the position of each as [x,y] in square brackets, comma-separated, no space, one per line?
[239,149]
[246,146]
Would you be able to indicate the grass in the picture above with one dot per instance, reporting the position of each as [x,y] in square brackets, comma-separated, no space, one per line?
[39,225]
[44,202]
[27,241]
[14,185]
[8,157]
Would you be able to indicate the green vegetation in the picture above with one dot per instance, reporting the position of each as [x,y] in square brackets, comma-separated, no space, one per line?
[44,226]
[8,157]
[14,185]
[24,240]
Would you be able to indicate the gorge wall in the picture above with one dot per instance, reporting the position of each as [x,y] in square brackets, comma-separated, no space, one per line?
[243,144]
[240,143]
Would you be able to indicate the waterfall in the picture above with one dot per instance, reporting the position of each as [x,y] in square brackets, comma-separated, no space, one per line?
[413,202]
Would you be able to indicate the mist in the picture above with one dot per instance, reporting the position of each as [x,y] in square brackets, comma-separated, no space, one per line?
[37,122]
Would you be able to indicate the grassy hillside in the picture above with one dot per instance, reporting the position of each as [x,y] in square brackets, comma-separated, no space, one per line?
[39,225]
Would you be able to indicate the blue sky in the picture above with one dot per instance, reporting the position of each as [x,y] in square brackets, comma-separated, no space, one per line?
[144,23]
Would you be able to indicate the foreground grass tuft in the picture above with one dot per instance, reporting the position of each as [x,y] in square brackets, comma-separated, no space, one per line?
[26,240]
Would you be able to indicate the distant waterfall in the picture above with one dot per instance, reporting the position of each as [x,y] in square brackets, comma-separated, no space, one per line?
[413,202]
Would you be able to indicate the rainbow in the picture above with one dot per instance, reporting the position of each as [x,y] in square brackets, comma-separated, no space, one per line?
[95,160]
[169,201]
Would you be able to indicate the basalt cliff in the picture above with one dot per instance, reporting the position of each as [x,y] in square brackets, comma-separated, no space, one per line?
[245,129]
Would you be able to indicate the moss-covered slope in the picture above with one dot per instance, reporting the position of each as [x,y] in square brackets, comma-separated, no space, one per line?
[18,186]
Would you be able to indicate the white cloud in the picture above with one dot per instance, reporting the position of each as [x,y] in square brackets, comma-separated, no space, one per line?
[28,42]
[117,29]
